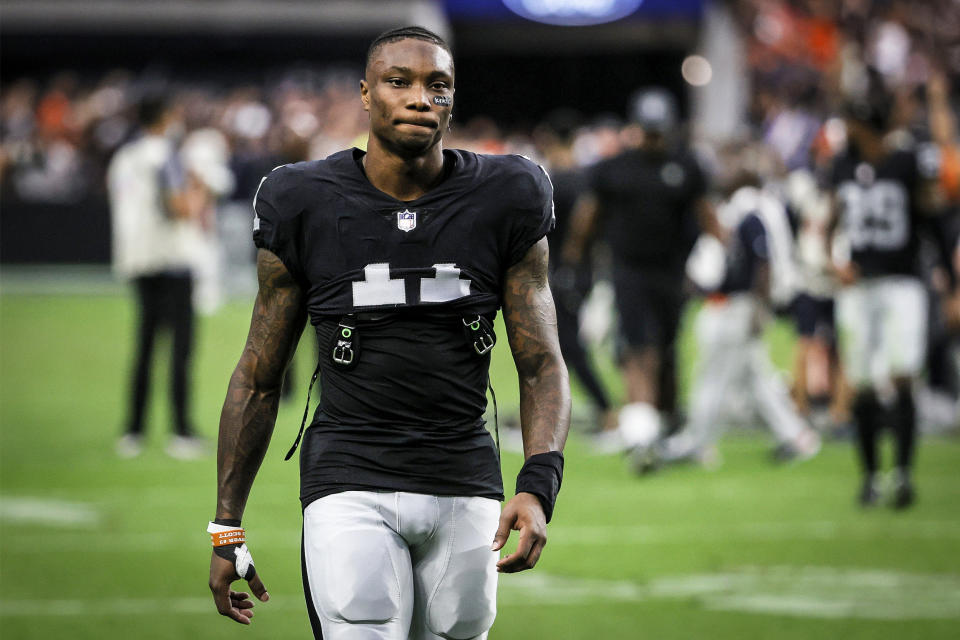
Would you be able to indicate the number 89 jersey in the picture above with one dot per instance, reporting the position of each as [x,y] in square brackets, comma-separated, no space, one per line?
[409,415]
[877,209]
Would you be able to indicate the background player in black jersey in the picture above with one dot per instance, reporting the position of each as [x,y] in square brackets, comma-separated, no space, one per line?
[650,198]
[878,198]
[400,256]
[571,283]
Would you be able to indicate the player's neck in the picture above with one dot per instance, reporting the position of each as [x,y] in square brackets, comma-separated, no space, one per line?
[404,178]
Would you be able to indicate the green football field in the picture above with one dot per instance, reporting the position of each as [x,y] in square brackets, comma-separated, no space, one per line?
[95,547]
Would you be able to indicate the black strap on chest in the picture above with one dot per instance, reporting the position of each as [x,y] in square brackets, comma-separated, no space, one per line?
[306,410]
[346,343]
[482,338]
[496,418]
[345,354]
[480,334]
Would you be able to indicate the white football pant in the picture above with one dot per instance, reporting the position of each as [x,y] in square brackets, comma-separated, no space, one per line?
[883,329]
[732,357]
[393,565]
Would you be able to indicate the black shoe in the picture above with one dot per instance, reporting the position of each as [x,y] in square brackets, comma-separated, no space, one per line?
[869,495]
[782,453]
[903,496]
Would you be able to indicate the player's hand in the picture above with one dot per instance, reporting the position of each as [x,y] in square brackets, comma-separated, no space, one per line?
[235,605]
[522,513]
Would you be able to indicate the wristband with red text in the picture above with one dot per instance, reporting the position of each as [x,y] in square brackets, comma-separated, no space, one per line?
[230,543]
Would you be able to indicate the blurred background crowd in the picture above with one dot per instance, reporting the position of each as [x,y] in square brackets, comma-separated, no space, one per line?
[754,82]
[714,135]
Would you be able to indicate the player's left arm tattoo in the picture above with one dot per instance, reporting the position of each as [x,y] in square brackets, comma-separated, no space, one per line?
[531,322]
[253,395]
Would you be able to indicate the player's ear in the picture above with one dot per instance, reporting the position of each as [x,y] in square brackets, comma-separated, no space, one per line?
[365,95]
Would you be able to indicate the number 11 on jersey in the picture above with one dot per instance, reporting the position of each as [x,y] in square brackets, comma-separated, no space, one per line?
[377,287]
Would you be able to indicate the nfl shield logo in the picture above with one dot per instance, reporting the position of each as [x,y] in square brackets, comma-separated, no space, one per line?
[406,220]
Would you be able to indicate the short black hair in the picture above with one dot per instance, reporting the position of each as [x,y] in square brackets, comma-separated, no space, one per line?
[404,33]
[874,107]
[874,113]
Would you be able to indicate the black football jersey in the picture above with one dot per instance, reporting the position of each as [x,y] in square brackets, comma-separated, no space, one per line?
[876,205]
[648,200]
[409,415]
[568,186]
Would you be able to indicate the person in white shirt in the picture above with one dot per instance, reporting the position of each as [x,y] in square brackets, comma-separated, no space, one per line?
[153,202]
[747,278]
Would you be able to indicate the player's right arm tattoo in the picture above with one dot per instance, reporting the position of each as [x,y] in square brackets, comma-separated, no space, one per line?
[250,409]
[531,321]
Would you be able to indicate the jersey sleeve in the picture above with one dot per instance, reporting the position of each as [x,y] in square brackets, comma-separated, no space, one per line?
[277,220]
[533,216]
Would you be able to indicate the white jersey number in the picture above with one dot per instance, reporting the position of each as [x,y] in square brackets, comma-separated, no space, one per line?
[378,288]
[876,216]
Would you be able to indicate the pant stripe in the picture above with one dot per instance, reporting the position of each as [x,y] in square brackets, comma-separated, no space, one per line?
[307,594]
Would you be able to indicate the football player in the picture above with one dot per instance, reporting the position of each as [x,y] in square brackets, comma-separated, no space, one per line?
[571,286]
[757,273]
[400,256]
[878,201]
[648,198]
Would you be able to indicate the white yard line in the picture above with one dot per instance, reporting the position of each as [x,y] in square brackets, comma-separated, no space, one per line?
[807,592]
[47,512]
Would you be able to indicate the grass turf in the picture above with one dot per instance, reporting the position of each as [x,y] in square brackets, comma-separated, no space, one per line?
[751,550]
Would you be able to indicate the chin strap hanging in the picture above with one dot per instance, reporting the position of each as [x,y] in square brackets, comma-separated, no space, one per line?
[482,338]
[346,343]
[479,332]
[345,353]
[306,410]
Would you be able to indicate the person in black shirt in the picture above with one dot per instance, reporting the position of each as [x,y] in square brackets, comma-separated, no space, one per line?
[571,284]
[645,198]
[878,197]
[400,256]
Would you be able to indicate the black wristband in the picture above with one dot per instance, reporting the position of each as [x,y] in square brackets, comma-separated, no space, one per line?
[226,522]
[541,475]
